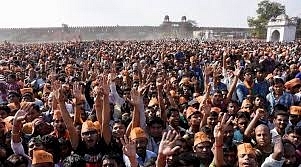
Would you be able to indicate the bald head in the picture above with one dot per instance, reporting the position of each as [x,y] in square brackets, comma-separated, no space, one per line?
[263,136]
[262,127]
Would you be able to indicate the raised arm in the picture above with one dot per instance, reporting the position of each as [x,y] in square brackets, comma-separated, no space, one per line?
[135,101]
[159,84]
[106,113]
[218,144]
[77,93]
[59,95]
[233,85]
[253,122]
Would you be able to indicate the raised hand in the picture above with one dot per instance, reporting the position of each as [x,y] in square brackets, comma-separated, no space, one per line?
[135,97]
[221,126]
[58,92]
[77,90]
[129,147]
[22,112]
[167,145]
[237,72]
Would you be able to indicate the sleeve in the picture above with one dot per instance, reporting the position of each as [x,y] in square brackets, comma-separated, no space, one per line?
[142,115]
[269,161]
[117,99]
[18,148]
[240,93]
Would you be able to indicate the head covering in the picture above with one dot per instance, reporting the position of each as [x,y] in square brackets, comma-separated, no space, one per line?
[57,114]
[41,156]
[153,102]
[137,132]
[185,81]
[97,125]
[295,110]
[245,148]
[182,100]
[292,83]
[26,91]
[88,126]
[200,137]
[28,128]
[191,111]
[215,109]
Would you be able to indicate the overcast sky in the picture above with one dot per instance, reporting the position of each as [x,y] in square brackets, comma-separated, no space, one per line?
[52,13]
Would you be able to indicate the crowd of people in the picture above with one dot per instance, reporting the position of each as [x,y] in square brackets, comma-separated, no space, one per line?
[175,103]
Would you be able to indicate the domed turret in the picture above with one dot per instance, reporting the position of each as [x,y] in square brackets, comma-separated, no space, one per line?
[183,19]
[166,18]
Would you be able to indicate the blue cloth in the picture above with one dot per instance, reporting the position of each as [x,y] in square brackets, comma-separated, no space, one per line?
[285,99]
[238,137]
[263,88]
[242,91]
[298,75]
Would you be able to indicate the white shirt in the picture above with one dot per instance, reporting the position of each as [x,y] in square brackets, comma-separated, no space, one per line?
[149,155]
[270,162]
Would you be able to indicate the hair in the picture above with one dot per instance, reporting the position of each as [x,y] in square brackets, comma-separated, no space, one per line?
[155,120]
[150,162]
[185,159]
[15,160]
[169,111]
[114,156]
[293,129]
[242,114]
[277,81]
[119,121]
[74,160]
[280,112]
[51,142]
[280,107]
[5,108]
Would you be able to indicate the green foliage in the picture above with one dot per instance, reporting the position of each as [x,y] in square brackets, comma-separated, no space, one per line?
[265,11]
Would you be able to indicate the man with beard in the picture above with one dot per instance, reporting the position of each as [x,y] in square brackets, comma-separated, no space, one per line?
[280,122]
[155,128]
[60,130]
[139,137]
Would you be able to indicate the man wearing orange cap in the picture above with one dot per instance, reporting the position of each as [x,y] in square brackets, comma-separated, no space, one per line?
[139,137]
[42,158]
[202,147]
[194,118]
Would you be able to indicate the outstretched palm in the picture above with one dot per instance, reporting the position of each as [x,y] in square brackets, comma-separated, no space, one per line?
[129,147]
[168,143]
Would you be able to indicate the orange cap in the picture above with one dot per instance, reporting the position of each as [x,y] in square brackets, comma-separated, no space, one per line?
[26,90]
[153,102]
[137,132]
[291,83]
[185,81]
[295,110]
[57,114]
[97,126]
[182,100]
[28,128]
[200,137]
[88,126]
[245,148]
[190,111]
[8,122]
[215,109]
[41,156]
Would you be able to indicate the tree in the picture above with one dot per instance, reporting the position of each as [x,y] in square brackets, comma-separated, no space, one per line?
[266,10]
